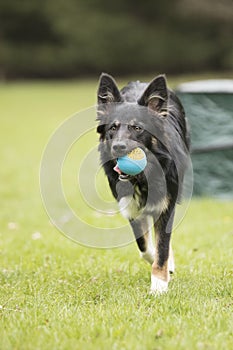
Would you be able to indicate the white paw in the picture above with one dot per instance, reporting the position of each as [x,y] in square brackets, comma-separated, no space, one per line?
[158,286]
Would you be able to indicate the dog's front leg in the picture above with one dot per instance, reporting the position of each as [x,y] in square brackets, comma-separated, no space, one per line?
[160,268]
[142,229]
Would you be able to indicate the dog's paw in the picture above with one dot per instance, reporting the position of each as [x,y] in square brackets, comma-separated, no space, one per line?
[158,286]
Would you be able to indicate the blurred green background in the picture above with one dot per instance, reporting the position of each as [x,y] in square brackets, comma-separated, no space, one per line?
[73,38]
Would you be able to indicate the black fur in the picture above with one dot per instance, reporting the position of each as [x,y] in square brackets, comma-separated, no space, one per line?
[149,116]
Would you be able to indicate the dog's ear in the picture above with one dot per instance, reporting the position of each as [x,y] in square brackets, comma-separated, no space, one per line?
[155,96]
[108,91]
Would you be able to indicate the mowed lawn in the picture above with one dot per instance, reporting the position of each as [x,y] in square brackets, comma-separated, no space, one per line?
[56,294]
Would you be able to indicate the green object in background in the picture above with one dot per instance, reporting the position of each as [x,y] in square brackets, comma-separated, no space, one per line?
[209,109]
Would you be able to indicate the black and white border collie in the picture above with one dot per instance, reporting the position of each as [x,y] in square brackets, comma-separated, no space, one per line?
[149,116]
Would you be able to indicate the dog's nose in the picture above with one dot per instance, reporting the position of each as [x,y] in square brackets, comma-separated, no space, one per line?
[119,147]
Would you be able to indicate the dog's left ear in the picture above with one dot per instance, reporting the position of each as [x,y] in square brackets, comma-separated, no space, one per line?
[155,96]
[108,91]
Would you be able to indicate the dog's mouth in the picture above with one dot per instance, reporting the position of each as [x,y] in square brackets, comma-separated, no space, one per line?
[122,176]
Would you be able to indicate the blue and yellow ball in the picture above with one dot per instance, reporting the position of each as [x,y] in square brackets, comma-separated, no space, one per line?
[133,163]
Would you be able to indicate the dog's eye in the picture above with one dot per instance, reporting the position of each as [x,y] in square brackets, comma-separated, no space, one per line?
[137,128]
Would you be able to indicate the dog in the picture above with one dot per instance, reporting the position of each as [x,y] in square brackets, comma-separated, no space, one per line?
[149,116]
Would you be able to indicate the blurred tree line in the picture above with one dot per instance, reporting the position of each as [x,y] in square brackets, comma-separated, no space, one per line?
[69,38]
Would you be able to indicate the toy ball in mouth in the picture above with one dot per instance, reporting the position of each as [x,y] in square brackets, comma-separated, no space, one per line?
[132,163]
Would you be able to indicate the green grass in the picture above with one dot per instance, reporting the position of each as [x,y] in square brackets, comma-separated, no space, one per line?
[55,294]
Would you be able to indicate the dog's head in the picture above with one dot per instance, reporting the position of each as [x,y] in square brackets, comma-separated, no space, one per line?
[127,116]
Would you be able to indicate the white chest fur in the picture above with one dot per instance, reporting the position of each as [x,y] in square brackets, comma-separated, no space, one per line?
[130,206]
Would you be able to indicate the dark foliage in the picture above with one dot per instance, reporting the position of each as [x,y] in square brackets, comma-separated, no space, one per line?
[70,38]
